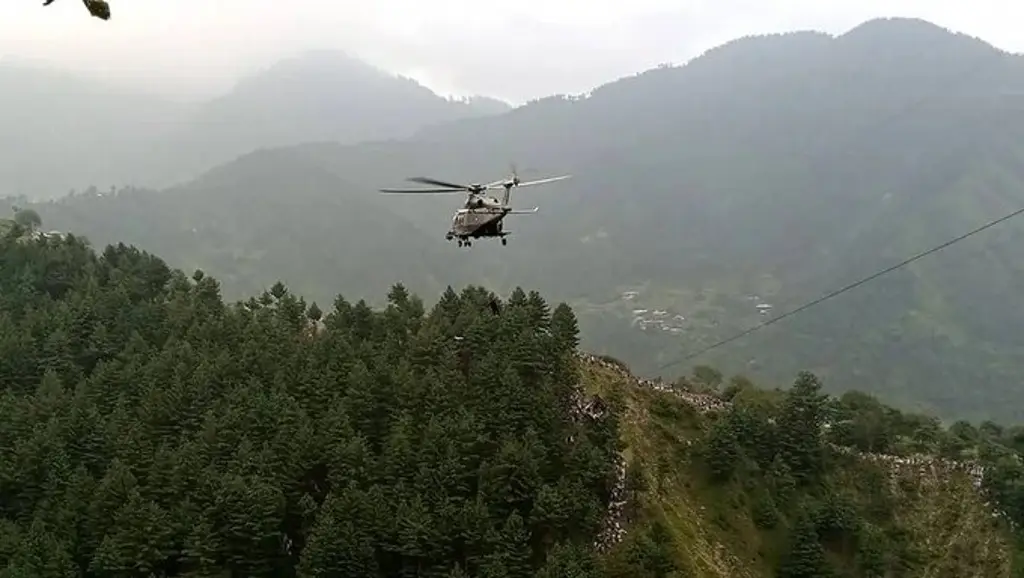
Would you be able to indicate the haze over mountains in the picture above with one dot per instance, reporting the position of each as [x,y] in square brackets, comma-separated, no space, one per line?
[63,131]
[770,169]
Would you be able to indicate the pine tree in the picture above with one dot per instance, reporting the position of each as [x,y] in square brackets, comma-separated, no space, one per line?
[800,426]
[398,296]
[342,540]
[565,329]
[805,558]
[314,313]
[722,450]
[516,539]
[540,312]
[140,543]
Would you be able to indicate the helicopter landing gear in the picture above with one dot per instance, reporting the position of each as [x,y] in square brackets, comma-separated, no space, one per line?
[504,241]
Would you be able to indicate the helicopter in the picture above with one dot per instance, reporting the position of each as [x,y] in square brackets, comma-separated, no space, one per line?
[482,215]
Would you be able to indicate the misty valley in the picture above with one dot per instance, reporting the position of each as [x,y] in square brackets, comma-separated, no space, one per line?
[711,352]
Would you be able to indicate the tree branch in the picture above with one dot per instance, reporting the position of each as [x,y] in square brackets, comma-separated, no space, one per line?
[98,8]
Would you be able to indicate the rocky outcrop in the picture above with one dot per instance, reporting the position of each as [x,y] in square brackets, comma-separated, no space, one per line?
[613,528]
[926,467]
[704,402]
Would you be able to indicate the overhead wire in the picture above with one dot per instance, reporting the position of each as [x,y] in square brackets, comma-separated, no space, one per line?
[838,292]
[971,72]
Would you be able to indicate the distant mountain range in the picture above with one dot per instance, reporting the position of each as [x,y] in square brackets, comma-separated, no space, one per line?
[62,131]
[770,170]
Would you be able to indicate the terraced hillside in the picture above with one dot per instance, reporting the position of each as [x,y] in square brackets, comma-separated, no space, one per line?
[872,514]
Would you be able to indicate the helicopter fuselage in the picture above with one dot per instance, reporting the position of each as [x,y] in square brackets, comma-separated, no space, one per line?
[473,223]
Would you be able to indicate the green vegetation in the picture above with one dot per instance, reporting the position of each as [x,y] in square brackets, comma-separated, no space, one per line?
[781,167]
[148,428]
[768,485]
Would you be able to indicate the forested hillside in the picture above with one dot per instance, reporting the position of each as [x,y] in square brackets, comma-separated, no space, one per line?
[63,132]
[148,428]
[744,482]
[267,208]
[770,170]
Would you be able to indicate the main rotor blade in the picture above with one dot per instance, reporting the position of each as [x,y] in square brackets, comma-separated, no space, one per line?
[501,183]
[429,181]
[542,181]
[422,190]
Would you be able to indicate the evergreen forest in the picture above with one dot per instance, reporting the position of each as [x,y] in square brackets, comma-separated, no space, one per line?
[149,428]
[258,368]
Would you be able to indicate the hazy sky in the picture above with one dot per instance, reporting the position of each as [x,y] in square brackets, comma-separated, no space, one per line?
[512,49]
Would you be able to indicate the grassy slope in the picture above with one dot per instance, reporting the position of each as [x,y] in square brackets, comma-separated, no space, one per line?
[952,531]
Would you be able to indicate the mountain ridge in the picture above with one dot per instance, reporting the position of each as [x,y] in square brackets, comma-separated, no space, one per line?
[706,197]
[112,135]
